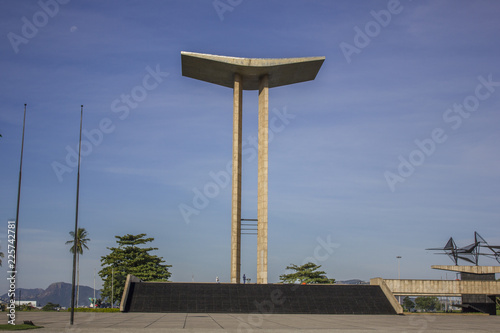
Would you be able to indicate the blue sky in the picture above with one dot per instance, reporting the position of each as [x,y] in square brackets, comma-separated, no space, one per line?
[393,148]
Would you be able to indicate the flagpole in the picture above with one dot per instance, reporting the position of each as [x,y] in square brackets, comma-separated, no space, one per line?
[19,199]
[72,317]
[93,301]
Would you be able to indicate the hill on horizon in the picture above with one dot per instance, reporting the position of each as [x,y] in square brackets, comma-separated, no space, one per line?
[352,281]
[57,293]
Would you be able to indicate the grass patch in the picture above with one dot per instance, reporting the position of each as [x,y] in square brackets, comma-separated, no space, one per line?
[9,327]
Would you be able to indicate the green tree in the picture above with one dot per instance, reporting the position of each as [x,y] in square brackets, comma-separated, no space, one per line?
[428,303]
[307,273]
[81,243]
[50,306]
[408,304]
[129,258]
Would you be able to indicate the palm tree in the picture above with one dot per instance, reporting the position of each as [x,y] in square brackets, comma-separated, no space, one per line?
[81,242]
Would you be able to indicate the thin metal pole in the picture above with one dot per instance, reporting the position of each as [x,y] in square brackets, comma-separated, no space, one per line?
[93,301]
[19,200]
[76,224]
[399,276]
[112,286]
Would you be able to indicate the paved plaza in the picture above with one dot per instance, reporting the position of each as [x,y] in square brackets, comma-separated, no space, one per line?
[225,322]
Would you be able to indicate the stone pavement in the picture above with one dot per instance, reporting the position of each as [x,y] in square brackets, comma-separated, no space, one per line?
[226,322]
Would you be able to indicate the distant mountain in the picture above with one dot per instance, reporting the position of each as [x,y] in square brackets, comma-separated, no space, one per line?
[352,281]
[57,293]
[26,294]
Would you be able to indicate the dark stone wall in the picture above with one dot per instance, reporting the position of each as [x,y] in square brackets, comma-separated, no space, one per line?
[477,277]
[477,303]
[258,298]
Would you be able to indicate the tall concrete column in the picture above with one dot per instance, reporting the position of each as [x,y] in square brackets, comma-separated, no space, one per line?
[236,194]
[250,74]
[262,180]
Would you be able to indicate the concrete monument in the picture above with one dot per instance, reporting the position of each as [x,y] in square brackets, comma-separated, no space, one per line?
[249,74]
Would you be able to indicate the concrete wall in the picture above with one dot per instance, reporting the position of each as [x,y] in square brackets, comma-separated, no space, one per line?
[388,293]
[442,287]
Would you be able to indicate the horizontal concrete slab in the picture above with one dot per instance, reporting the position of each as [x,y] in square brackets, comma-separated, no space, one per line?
[85,322]
[221,69]
[442,287]
[468,269]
